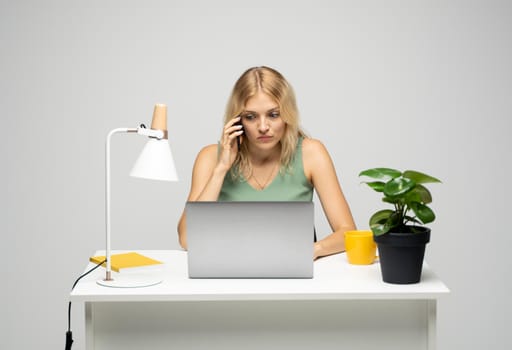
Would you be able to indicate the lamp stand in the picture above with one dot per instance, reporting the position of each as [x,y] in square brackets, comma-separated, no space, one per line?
[129,280]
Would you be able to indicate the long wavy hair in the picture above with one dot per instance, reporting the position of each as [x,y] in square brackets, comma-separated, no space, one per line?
[272,83]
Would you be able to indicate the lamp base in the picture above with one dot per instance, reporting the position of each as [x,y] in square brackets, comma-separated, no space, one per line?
[130,281]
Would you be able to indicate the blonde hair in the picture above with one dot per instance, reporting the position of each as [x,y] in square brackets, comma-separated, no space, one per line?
[272,83]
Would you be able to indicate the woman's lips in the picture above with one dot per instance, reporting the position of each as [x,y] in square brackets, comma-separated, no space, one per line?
[264,138]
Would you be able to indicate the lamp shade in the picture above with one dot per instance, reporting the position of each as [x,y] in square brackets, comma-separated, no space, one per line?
[155,162]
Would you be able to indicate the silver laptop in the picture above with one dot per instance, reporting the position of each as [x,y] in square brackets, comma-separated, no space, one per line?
[250,239]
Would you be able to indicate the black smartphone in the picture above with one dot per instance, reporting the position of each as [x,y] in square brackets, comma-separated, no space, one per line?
[238,137]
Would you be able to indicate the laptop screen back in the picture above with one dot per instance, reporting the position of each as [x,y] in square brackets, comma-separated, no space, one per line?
[250,239]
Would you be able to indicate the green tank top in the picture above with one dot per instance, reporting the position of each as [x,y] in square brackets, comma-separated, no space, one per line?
[291,185]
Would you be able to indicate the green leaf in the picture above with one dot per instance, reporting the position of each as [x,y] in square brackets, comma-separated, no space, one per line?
[382,221]
[398,187]
[384,174]
[424,213]
[376,185]
[392,200]
[380,229]
[381,216]
[419,194]
[419,178]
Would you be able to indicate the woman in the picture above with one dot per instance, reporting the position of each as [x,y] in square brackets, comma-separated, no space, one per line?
[264,155]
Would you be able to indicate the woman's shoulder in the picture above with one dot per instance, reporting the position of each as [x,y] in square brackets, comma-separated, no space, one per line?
[312,146]
[316,159]
[208,153]
[314,154]
[209,149]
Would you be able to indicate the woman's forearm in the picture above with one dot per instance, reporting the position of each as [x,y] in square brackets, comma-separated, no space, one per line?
[212,188]
[332,244]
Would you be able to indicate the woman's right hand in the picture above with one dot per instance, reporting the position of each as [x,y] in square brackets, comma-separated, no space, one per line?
[229,148]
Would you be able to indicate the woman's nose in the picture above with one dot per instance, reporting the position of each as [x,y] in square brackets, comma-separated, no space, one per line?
[263,125]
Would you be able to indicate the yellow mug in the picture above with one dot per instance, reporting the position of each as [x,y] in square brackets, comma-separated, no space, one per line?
[360,247]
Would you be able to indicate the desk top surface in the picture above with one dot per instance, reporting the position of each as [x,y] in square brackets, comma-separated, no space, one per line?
[334,279]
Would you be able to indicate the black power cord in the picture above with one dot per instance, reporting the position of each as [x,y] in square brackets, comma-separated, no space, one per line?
[69,335]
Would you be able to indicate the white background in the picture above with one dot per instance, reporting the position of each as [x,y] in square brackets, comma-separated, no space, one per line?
[423,85]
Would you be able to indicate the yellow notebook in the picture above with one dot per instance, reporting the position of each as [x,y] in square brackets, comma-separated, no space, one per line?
[128,261]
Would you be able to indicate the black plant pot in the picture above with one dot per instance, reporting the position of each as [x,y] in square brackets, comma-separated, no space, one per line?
[401,255]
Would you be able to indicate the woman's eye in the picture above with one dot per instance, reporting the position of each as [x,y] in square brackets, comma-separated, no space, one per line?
[249,116]
[274,115]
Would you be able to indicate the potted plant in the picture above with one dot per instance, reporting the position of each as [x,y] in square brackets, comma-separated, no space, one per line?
[400,238]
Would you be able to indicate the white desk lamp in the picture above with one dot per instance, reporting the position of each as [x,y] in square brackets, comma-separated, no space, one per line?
[156,163]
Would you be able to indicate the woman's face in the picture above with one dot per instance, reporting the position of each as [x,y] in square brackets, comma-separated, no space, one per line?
[263,126]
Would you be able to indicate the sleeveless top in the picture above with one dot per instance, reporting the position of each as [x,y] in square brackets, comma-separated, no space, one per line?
[289,185]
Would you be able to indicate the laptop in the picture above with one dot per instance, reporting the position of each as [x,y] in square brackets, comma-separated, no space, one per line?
[250,239]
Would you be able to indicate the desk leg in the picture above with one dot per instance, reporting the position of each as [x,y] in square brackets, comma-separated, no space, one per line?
[431,324]
[89,327]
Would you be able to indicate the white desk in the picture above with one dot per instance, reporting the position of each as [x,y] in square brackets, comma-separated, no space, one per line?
[344,306]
